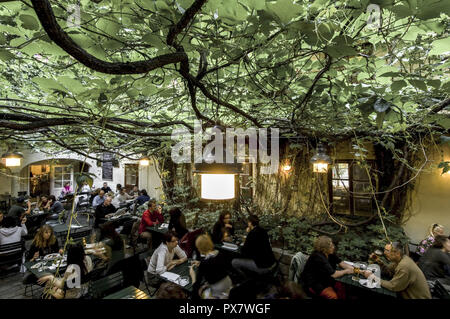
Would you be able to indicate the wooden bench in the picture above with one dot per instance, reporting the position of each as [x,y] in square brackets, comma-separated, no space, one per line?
[106,286]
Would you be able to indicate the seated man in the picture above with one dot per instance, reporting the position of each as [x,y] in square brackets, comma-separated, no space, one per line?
[257,250]
[408,279]
[151,217]
[99,199]
[106,189]
[162,259]
[103,211]
[18,210]
[134,193]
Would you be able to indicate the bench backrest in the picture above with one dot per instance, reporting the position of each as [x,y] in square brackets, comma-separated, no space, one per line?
[11,253]
[106,286]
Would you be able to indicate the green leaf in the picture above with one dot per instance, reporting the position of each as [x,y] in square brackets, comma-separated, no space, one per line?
[398,85]
[419,84]
[257,4]
[6,55]
[285,10]
[48,83]
[340,50]
[441,46]
[402,11]
[29,22]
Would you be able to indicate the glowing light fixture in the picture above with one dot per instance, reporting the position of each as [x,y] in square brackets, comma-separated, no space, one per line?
[217,186]
[218,179]
[320,160]
[144,161]
[12,159]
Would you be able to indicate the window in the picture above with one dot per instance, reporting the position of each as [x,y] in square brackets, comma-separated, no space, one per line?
[349,187]
[131,175]
[62,174]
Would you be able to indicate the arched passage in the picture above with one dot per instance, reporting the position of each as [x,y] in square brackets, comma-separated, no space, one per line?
[46,177]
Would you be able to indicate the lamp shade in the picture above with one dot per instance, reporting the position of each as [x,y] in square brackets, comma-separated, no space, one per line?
[144,161]
[320,160]
[217,186]
[12,159]
[218,179]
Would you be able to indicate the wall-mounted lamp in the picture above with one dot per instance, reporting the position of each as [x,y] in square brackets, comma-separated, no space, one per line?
[218,179]
[144,161]
[320,160]
[12,159]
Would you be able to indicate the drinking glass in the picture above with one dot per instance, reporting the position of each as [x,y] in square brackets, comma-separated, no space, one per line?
[356,272]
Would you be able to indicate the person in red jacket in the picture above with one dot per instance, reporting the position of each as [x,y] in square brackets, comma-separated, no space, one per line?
[151,217]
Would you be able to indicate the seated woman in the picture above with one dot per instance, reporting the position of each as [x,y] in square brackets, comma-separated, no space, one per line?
[142,198]
[162,259]
[320,270]
[212,268]
[434,230]
[435,262]
[67,189]
[223,230]
[66,287]
[177,222]
[114,243]
[44,243]
[10,233]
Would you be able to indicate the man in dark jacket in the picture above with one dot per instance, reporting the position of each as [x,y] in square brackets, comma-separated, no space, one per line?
[257,251]
[103,210]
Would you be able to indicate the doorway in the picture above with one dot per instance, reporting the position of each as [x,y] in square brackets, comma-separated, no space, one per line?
[131,176]
[39,180]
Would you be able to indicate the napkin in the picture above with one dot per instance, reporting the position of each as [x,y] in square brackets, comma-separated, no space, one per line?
[170,276]
[373,281]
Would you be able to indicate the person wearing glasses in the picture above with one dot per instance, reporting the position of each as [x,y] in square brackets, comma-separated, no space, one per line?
[408,279]
[163,258]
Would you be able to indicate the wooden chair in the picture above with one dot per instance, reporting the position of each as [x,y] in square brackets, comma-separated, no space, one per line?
[106,286]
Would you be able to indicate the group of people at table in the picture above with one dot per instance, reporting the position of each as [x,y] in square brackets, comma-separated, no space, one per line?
[213,268]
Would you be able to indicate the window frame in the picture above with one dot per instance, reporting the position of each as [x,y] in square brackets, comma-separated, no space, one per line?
[351,181]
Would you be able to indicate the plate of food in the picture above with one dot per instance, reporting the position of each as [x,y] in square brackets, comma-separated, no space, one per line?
[35,266]
[51,256]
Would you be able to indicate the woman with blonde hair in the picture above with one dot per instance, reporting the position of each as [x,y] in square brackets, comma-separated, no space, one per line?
[434,230]
[320,270]
[213,268]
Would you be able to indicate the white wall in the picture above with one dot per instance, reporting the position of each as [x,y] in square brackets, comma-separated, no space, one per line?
[149,180]
[431,199]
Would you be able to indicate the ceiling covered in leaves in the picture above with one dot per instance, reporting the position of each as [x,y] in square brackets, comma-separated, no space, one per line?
[122,74]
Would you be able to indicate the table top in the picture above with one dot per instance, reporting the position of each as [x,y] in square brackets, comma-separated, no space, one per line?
[347,279]
[183,271]
[45,271]
[64,227]
[128,293]
[221,247]
[158,229]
